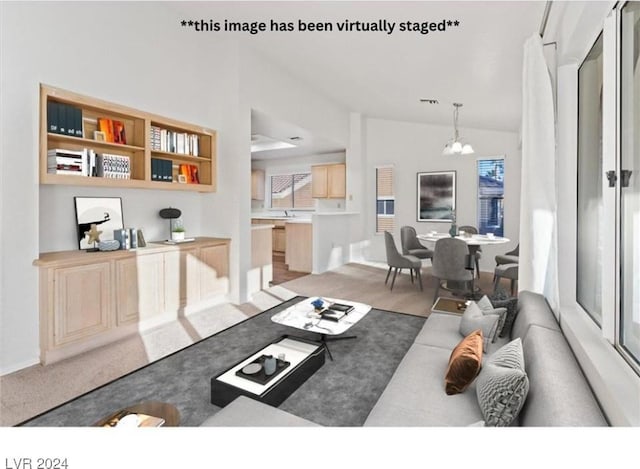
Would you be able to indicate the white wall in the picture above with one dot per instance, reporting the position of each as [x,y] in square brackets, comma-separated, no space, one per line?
[414,148]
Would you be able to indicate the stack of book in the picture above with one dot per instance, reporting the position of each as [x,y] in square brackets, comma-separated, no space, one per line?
[156,138]
[113,166]
[67,162]
[161,170]
[174,142]
[64,119]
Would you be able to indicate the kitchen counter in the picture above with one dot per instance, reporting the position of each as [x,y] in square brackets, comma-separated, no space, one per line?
[262,227]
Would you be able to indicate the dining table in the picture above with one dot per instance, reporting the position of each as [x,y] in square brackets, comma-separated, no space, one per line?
[474,241]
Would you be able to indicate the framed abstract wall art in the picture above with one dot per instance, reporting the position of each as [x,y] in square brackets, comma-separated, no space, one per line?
[436,196]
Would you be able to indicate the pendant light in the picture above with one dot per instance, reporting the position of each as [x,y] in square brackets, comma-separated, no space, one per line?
[457,146]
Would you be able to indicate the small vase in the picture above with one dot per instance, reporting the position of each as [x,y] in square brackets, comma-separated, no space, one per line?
[177,235]
[269,365]
[453,231]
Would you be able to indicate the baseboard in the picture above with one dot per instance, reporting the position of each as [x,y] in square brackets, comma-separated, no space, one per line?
[12,368]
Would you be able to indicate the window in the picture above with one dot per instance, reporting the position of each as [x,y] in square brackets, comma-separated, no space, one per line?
[629,177]
[491,196]
[385,200]
[291,191]
[589,235]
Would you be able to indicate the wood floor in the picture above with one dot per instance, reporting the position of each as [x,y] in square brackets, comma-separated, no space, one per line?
[281,272]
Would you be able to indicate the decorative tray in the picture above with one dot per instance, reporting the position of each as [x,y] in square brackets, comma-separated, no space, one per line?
[260,376]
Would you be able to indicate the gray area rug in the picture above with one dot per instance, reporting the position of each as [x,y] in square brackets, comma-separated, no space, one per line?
[341,393]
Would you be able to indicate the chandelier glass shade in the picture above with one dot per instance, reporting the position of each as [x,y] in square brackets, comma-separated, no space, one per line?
[456,146]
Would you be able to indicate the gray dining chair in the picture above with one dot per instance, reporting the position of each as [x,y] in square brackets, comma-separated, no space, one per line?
[449,264]
[399,261]
[411,245]
[509,271]
[475,250]
[511,257]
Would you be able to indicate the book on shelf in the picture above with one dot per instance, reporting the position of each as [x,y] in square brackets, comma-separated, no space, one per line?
[174,142]
[113,166]
[119,135]
[67,162]
[106,125]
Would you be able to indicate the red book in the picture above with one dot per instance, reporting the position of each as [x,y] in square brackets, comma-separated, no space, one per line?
[194,174]
[118,133]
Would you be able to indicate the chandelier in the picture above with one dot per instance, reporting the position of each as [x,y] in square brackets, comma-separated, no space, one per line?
[457,146]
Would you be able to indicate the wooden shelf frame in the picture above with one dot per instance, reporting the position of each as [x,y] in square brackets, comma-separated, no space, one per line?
[138,130]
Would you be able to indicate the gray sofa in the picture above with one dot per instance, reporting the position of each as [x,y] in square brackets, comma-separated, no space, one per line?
[559,394]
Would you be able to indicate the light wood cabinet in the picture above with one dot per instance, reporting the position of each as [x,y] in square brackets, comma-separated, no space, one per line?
[139,282]
[257,184]
[329,181]
[82,302]
[214,271]
[299,255]
[91,299]
[279,239]
[149,139]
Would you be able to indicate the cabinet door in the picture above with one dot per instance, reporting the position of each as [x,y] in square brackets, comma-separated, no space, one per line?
[279,240]
[181,278]
[319,180]
[83,303]
[337,181]
[257,184]
[214,271]
[139,288]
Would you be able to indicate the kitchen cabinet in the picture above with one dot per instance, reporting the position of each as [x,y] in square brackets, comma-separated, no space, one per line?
[257,184]
[299,255]
[329,181]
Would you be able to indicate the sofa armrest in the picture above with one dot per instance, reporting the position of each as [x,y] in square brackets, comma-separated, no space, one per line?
[247,412]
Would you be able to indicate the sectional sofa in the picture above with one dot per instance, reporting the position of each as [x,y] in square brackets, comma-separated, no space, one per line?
[558,394]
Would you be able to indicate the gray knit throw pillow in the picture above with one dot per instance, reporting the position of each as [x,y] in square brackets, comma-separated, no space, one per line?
[502,385]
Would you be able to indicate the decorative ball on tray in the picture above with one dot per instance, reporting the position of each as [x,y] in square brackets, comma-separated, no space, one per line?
[317,304]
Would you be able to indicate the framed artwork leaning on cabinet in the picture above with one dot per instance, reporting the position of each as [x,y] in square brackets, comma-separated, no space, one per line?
[104,212]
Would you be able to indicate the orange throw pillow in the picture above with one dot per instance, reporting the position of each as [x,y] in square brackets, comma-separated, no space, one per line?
[464,364]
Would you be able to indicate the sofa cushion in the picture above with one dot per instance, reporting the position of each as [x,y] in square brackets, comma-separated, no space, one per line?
[247,412]
[440,330]
[532,309]
[488,308]
[464,363]
[415,396]
[473,318]
[559,394]
[502,385]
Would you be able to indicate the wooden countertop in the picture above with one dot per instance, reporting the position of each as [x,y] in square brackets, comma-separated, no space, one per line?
[48,259]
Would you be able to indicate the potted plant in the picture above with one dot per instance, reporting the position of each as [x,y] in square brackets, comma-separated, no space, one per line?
[177,234]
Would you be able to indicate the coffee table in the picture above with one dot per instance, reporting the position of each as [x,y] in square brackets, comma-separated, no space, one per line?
[168,412]
[304,357]
[302,316]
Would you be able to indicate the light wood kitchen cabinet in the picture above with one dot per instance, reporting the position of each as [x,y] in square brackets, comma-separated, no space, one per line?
[89,299]
[257,184]
[279,239]
[138,282]
[299,255]
[329,181]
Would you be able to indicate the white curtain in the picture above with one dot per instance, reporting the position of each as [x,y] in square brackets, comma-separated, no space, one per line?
[538,208]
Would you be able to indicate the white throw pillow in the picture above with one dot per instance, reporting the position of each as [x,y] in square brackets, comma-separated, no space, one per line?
[473,318]
[502,385]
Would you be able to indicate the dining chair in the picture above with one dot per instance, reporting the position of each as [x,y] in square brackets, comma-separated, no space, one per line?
[450,257]
[411,245]
[509,271]
[511,257]
[399,261]
[475,250]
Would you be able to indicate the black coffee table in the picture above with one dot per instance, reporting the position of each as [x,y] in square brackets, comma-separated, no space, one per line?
[302,357]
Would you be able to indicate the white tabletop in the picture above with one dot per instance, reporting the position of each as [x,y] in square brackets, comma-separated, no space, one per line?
[302,316]
[474,240]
